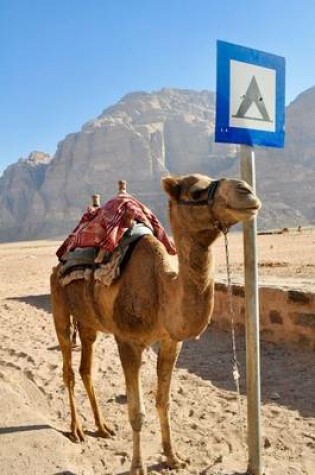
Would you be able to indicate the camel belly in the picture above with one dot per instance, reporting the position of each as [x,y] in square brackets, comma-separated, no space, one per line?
[130,308]
[135,309]
[83,301]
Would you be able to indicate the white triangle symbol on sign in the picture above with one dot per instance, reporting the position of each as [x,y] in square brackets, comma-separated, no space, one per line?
[252,97]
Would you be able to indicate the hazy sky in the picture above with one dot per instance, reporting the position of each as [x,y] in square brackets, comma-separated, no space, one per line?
[62,62]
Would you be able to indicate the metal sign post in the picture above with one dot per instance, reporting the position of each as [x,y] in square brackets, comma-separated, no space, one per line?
[250,111]
[252,323]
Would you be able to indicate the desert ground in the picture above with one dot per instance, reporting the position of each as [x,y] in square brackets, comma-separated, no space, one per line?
[208,427]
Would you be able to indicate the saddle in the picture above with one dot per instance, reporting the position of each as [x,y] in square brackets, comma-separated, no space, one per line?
[108,265]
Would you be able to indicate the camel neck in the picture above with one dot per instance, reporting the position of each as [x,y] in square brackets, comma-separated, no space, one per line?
[195,283]
[195,259]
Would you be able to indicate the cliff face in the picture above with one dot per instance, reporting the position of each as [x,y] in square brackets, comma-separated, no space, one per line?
[141,138]
[287,176]
[19,196]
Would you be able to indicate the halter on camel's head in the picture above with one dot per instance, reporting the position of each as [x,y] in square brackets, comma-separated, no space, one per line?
[212,188]
[211,192]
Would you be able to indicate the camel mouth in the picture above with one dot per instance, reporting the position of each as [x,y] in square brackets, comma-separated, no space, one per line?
[246,213]
[249,209]
[255,207]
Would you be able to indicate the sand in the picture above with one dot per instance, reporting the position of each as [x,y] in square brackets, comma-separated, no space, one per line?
[208,428]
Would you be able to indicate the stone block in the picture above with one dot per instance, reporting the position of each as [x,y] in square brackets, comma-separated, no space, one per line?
[275,317]
[238,291]
[305,319]
[305,341]
[286,316]
[298,297]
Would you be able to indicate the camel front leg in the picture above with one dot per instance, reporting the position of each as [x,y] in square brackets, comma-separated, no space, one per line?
[130,356]
[88,337]
[167,357]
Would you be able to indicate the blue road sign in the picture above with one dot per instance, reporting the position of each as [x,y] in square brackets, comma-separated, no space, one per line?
[250,103]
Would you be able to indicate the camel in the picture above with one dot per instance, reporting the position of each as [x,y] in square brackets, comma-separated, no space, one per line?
[156,299]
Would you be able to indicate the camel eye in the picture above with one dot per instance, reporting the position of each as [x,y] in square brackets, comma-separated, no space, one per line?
[197,194]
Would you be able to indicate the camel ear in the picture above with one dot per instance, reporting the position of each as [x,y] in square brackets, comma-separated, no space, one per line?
[171,185]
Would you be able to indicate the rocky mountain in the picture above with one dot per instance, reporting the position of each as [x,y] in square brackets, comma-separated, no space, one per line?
[286,177]
[20,195]
[141,138]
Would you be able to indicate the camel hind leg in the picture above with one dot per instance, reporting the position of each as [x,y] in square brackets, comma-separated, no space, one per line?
[62,322]
[88,337]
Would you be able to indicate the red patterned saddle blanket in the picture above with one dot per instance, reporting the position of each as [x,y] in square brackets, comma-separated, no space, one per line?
[103,227]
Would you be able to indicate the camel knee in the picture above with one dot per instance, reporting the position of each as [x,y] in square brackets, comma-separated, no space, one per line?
[85,373]
[162,404]
[137,421]
[68,377]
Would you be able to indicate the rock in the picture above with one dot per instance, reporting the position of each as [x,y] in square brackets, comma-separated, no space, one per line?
[275,396]
[19,189]
[141,138]
[219,459]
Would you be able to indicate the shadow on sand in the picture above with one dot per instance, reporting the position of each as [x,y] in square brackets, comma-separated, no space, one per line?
[161,467]
[287,373]
[41,302]
[29,428]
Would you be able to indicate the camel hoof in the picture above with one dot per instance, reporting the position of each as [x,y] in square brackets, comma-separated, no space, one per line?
[138,471]
[175,461]
[105,431]
[77,436]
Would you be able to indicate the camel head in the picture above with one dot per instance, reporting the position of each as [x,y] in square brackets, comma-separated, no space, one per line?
[203,203]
